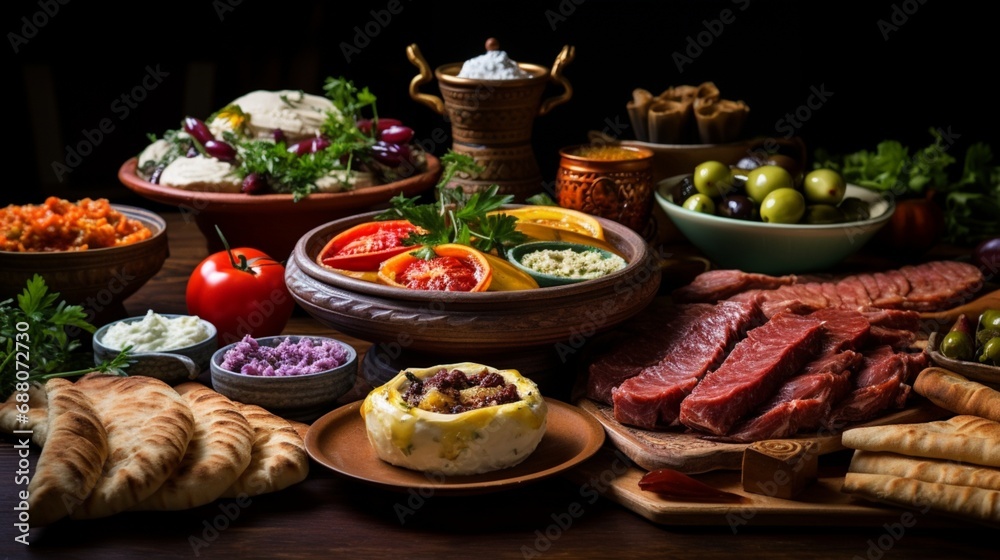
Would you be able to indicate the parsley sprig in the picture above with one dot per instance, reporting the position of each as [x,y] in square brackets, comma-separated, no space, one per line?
[35,337]
[457,216]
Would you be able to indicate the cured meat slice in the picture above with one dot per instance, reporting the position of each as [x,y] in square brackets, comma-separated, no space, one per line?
[893,318]
[876,388]
[652,398]
[896,338]
[716,285]
[754,370]
[928,286]
[642,348]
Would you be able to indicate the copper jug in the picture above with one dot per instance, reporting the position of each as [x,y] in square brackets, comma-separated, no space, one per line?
[491,120]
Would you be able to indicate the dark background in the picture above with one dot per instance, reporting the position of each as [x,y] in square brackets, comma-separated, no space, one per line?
[936,69]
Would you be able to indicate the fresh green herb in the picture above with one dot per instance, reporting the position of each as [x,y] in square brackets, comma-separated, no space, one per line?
[285,171]
[541,199]
[285,98]
[457,216]
[35,337]
[891,167]
[970,197]
[178,147]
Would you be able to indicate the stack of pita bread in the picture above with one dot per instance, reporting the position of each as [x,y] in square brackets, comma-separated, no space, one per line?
[112,444]
[951,466]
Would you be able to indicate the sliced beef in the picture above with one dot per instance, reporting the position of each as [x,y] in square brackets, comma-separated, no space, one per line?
[893,318]
[898,339]
[928,286]
[846,329]
[716,285]
[652,398]
[752,373]
[803,402]
[877,387]
[662,331]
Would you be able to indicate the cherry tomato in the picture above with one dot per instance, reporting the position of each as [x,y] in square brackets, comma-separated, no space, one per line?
[456,268]
[363,247]
[242,292]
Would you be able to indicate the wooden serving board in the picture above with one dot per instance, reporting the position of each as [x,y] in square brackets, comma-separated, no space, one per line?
[821,503]
[691,453]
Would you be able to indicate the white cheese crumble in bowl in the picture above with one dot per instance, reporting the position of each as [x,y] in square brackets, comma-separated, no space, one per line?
[556,263]
[455,419]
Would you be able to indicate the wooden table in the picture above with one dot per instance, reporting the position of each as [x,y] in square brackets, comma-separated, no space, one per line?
[332,516]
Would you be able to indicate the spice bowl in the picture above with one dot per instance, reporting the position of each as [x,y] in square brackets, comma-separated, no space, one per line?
[301,397]
[517,257]
[173,365]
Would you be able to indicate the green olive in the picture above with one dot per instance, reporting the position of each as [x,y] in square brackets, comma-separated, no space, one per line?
[957,345]
[855,209]
[990,319]
[783,206]
[700,203]
[991,352]
[765,179]
[712,178]
[824,186]
[823,214]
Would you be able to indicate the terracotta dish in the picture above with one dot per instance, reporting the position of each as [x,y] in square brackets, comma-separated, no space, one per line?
[98,279]
[461,324]
[271,222]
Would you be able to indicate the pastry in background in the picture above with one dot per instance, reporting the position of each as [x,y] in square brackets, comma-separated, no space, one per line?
[638,109]
[719,121]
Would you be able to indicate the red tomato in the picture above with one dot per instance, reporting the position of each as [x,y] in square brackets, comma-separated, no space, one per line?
[253,301]
[364,246]
[456,268]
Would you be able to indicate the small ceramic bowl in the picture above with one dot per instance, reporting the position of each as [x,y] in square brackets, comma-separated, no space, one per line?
[171,366]
[516,255]
[303,398]
[775,248]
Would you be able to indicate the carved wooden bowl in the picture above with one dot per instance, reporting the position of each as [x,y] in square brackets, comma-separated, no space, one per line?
[460,325]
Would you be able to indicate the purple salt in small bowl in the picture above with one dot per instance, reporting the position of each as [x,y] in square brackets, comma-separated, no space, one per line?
[302,397]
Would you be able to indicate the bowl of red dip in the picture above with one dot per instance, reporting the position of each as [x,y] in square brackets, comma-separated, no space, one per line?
[296,377]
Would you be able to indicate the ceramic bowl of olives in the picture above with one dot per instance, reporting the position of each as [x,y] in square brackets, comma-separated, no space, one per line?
[763,219]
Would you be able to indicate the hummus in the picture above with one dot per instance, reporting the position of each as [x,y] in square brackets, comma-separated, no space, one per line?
[297,114]
[201,173]
[156,333]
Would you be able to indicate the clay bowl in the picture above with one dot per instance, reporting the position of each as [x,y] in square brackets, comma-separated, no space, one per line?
[171,366]
[98,279]
[464,325]
[272,223]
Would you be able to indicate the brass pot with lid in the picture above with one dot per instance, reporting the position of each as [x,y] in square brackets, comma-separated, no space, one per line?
[491,120]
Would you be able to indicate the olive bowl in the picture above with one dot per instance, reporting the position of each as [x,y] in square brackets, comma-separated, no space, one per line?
[302,398]
[507,329]
[771,248]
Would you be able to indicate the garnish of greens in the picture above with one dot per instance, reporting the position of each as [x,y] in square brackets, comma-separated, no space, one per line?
[45,349]
[970,195]
[457,216]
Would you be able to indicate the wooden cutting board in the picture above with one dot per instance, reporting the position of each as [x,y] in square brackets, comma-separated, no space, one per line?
[611,474]
[691,453]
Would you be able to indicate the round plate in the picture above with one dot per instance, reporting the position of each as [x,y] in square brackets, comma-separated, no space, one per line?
[975,371]
[339,442]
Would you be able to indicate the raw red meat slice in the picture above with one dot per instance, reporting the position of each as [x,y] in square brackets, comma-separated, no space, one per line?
[803,401]
[876,388]
[652,398]
[642,348]
[845,329]
[754,370]
[716,285]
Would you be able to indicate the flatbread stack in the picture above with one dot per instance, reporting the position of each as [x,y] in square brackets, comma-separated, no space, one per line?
[113,444]
[686,115]
[951,466]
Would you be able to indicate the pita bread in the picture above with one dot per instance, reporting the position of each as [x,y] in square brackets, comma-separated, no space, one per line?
[966,501]
[72,461]
[217,455]
[964,438]
[37,414]
[279,457]
[954,392]
[926,470]
[300,428]
[149,427]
